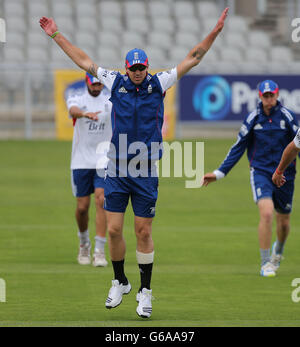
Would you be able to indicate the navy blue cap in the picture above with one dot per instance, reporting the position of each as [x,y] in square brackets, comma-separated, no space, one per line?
[268,86]
[91,79]
[136,56]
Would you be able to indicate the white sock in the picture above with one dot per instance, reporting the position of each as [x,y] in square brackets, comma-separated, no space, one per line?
[84,237]
[100,243]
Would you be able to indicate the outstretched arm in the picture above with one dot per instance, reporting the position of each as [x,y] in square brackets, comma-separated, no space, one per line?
[196,54]
[288,155]
[76,54]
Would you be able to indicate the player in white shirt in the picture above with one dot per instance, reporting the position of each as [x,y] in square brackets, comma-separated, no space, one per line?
[90,109]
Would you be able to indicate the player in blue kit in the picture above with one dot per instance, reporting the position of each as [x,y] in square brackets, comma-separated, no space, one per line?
[137,119]
[265,133]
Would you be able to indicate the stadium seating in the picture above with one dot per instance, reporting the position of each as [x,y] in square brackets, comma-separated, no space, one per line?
[167,30]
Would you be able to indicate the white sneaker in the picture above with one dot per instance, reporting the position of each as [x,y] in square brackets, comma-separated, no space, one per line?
[115,294]
[276,258]
[99,258]
[84,257]
[268,270]
[144,299]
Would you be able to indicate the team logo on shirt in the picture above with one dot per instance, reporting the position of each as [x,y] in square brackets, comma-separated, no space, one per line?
[282,124]
[258,127]
[94,126]
[123,90]
[149,89]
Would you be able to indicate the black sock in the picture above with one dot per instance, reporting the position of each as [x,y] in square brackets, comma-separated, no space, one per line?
[119,271]
[146,273]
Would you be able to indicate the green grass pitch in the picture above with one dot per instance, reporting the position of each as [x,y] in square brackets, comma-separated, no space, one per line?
[206,270]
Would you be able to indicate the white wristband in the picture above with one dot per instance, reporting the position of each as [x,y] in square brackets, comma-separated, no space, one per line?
[219,174]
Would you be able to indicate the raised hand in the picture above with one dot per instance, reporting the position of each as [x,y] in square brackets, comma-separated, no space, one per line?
[221,21]
[48,25]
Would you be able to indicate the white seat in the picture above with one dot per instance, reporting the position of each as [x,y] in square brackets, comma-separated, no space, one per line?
[225,68]
[109,8]
[14,55]
[133,39]
[85,39]
[65,24]
[140,24]
[256,55]
[59,58]
[85,9]
[157,57]
[259,38]
[109,58]
[250,67]
[183,8]
[37,55]
[159,39]
[37,38]
[38,9]
[207,9]
[233,55]
[38,79]
[16,24]
[14,9]
[165,24]
[63,8]
[211,56]
[15,39]
[14,83]
[191,24]
[177,54]
[111,24]
[159,9]
[294,67]
[276,67]
[281,54]
[235,39]
[237,24]
[208,24]
[108,39]
[188,40]
[134,8]
[87,24]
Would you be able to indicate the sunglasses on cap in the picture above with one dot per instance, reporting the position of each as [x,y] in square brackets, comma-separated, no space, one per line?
[136,67]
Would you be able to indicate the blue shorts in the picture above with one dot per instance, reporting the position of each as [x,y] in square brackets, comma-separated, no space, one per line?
[85,181]
[263,187]
[142,191]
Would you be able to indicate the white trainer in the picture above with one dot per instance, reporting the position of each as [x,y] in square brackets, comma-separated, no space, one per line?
[84,257]
[99,258]
[144,298]
[276,258]
[268,270]
[115,294]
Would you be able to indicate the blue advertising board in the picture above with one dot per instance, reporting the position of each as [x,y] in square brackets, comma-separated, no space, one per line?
[230,97]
